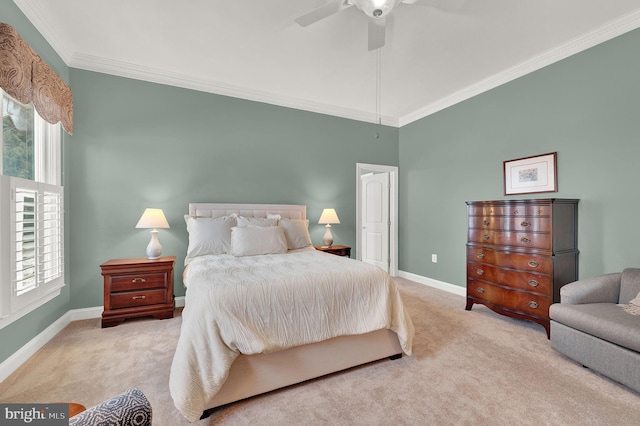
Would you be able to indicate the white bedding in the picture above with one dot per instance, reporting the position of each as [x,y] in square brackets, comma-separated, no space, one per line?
[261,304]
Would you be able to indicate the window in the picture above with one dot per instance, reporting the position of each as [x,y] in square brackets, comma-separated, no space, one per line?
[31,211]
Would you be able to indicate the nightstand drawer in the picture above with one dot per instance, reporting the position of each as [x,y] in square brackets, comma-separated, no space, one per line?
[137,298]
[138,281]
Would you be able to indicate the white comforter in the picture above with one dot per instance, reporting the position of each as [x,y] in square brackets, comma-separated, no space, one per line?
[261,304]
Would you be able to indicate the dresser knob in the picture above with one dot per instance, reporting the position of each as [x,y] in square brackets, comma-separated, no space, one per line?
[138,297]
[534,283]
[480,256]
[533,264]
[485,237]
[525,240]
[485,223]
[533,305]
[480,290]
[479,272]
[138,280]
[516,212]
[525,224]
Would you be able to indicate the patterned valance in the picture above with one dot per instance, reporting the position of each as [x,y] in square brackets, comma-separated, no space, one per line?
[27,78]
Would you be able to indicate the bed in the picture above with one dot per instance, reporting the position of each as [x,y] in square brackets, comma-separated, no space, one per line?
[265,310]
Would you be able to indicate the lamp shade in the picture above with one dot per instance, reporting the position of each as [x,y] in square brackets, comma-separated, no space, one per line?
[328,216]
[153,218]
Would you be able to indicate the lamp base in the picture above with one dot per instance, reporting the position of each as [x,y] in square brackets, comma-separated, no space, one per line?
[327,239]
[154,249]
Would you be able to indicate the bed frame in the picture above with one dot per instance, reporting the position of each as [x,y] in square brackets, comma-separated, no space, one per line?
[252,375]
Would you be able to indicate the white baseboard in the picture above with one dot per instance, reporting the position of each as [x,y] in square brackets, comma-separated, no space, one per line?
[20,356]
[441,285]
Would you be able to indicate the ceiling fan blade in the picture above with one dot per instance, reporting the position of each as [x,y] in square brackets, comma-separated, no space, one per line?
[376,33]
[322,12]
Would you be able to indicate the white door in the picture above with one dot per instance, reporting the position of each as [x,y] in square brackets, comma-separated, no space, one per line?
[375,220]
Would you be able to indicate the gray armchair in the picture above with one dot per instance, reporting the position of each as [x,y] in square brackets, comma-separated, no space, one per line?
[589,327]
[128,408]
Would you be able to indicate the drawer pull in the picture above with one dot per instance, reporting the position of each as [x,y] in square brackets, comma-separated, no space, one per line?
[138,280]
[480,256]
[533,305]
[525,224]
[516,212]
[533,264]
[525,240]
[485,223]
[534,283]
[479,272]
[138,297]
[485,237]
[480,290]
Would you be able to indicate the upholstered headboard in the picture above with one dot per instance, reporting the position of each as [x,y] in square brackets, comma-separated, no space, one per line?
[290,211]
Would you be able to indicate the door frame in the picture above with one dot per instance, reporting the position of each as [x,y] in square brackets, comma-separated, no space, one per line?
[361,168]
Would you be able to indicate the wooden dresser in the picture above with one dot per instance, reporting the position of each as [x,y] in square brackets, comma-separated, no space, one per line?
[520,253]
[137,287]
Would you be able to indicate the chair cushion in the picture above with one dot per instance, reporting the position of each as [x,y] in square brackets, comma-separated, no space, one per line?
[629,284]
[128,408]
[606,321]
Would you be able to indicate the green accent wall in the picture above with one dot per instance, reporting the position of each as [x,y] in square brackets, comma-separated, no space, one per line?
[138,144]
[586,107]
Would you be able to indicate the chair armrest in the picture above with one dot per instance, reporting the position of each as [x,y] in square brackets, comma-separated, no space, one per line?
[130,407]
[600,289]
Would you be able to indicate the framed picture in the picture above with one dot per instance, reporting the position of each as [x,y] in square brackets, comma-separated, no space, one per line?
[531,174]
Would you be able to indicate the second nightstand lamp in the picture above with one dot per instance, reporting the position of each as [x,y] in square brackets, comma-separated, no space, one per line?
[153,218]
[328,217]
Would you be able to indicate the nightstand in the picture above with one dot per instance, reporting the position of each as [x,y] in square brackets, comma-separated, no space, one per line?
[137,287]
[337,250]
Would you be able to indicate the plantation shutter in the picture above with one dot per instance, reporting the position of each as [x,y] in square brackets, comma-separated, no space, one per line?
[37,251]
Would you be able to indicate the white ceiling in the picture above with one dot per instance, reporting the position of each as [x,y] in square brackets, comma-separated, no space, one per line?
[252,49]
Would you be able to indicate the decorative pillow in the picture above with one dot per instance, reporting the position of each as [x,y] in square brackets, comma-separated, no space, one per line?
[128,408]
[297,233]
[209,235]
[256,221]
[633,307]
[255,240]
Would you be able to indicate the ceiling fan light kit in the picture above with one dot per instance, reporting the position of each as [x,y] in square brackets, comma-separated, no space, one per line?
[376,8]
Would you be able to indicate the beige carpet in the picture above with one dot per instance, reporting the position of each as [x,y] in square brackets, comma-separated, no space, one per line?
[468,368]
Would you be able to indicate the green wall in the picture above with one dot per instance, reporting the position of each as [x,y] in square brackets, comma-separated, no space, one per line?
[139,144]
[18,333]
[586,107]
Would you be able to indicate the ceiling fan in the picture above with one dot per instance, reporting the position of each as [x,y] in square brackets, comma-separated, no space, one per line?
[376,10]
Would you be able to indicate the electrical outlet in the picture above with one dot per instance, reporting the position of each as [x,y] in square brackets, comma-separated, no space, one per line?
[434,258]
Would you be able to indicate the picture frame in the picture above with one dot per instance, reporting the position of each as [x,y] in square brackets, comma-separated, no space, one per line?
[529,175]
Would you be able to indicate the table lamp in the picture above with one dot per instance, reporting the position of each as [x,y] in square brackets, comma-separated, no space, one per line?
[153,218]
[328,217]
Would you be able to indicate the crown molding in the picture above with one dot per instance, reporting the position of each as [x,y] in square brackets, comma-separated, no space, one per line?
[141,72]
[599,35]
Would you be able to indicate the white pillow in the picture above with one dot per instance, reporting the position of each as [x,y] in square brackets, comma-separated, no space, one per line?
[257,221]
[208,235]
[255,240]
[297,233]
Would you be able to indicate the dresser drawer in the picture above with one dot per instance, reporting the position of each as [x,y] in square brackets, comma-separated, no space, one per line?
[138,281]
[521,261]
[137,298]
[531,224]
[510,278]
[508,238]
[518,301]
[510,210]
